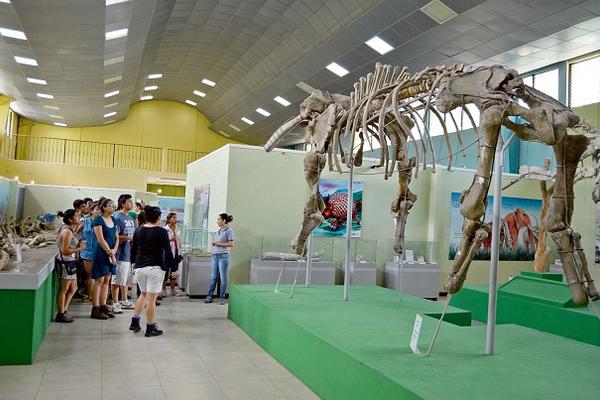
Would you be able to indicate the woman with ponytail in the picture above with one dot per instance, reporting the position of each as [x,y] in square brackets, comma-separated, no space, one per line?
[222,244]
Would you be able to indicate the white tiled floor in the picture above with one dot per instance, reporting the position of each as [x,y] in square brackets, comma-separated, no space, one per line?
[202,355]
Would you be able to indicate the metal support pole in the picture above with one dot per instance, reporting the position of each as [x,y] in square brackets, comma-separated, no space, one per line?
[309,260]
[348,233]
[493,284]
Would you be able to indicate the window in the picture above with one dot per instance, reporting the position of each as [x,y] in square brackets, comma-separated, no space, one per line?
[462,120]
[546,82]
[584,82]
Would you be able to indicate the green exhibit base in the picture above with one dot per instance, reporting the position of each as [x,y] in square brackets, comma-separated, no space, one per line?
[360,349]
[540,303]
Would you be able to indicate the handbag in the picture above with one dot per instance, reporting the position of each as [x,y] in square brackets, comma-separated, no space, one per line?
[69,266]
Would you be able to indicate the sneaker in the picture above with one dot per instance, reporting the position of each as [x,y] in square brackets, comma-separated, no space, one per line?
[208,300]
[222,302]
[127,305]
[163,293]
[107,311]
[135,325]
[63,317]
[98,314]
[179,292]
[116,308]
[152,330]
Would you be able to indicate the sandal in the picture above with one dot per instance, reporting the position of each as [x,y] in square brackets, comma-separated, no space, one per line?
[85,300]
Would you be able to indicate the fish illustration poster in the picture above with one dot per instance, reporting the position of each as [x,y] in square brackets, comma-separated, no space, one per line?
[335,195]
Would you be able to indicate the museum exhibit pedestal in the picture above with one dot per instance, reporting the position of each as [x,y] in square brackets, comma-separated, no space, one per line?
[360,349]
[27,305]
[198,274]
[267,272]
[553,276]
[413,278]
[541,304]
[362,273]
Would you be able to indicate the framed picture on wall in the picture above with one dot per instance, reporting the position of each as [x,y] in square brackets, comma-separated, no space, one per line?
[200,209]
[335,195]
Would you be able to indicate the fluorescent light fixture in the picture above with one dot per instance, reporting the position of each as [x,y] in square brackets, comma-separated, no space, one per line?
[379,45]
[282,101]
[235,128]
[60,124]
[153,87]
[224,134]
[56,116]
[263,112]
[113,79]
[11,33]
[16,178]
[199,93]
[7,2]
[208,82]
[51,107]
[112,2]
[438,11]
[155,76]
[191,103]
[32,182]
[37,81]
[306,87]
[119,33]
[337,69]
[248,121]
[110,114]
[26,61]
[114,60]
[146,97]
[44,96]
[110,105]
[110,94]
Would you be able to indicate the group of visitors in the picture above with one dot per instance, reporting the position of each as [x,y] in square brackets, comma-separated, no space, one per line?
[118,248]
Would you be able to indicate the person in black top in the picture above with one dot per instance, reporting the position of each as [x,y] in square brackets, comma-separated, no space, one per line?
[151,253]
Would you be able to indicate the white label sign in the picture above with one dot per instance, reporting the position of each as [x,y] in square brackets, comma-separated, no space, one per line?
[414,340]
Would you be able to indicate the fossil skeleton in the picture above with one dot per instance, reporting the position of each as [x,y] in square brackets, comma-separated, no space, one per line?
[387,104]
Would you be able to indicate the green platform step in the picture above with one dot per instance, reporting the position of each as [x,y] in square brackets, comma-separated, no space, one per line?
[360,349]
[539,303]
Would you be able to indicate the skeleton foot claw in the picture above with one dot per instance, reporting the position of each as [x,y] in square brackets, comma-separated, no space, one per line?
[453,284]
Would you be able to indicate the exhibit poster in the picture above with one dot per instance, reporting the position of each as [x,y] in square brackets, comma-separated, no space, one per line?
[169,204]
[200,209]
[520,222]
[335,195]
[597,252]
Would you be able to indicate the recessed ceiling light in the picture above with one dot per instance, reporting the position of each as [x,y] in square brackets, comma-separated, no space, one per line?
[282,101]
[263,112]
[119,33]
[248,121]
[191,103]
[146,97]
[224,134]
[235,128]
[112,2]
[7,2]
[199,93]
[154,87]
[113,79]
[56,116]
[337,69]
[11,33]
[438,11]
[114,60]
[305,86]
[51,107]
[208,82]
[379,45]
[37,81]
[110,94]
[110,114]
[26,61]
[60,124]
[110,105]
[44,96]
[154,76]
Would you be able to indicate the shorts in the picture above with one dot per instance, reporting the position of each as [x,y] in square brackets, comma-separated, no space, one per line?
[131,278]
[150,279]
[120,278]
[64,275]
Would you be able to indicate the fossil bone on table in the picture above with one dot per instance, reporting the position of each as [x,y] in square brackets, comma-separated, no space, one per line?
[387,106]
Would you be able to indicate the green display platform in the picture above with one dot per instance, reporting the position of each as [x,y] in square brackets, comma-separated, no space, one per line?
[553,276]
[360,349]
[542,304]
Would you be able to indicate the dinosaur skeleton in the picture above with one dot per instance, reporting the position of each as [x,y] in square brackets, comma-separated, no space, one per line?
[387,104]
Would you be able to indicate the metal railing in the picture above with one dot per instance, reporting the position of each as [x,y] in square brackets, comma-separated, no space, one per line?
[95,154]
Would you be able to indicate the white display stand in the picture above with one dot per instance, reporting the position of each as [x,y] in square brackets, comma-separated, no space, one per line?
[413,278]
[557,269]
[198,275]
[362,273]
[267,271]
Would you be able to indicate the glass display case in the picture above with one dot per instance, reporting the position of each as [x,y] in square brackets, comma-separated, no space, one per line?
[415,251]
[364,250]
[278,248]
[196,241]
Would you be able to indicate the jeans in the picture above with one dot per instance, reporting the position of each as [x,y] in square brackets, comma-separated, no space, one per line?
[219,265]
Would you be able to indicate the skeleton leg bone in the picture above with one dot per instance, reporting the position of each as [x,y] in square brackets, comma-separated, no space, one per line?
[404,202]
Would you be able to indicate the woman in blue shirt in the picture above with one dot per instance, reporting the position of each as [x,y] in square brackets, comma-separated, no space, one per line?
[222,244]
[89,238]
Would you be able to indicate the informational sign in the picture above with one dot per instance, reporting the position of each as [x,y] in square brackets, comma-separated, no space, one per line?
[414,339]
